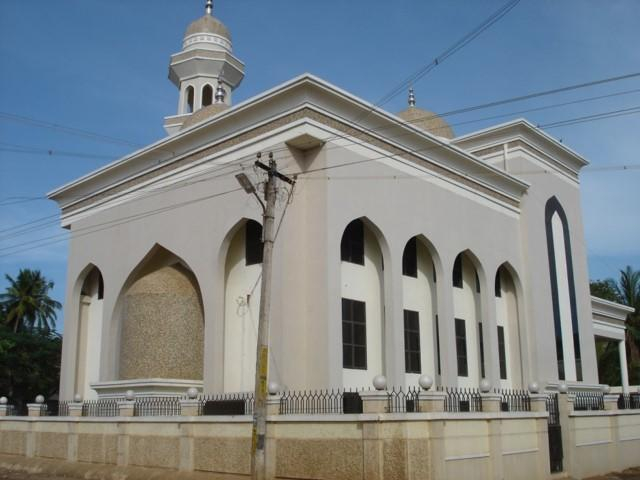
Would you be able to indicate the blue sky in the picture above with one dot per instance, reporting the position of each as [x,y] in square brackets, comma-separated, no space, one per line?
[102,66]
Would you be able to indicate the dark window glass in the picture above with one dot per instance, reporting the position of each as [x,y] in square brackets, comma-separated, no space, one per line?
[457,272]
[461,348]
[477,282]
[253,243]
[502,356]
[481,337]
[354,334]
[438,344]
[100,287]
[412,342]
[410,259]
[498,287]
[207,95]
[352,245]
[190,100]
[435,279]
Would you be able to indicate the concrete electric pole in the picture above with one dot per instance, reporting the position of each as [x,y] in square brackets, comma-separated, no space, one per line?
[258,470]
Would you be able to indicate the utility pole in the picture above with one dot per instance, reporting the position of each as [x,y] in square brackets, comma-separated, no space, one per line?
[258,470]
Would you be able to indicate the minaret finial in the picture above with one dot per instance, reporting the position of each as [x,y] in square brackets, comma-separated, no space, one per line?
[412,98]
[220,93]
[209,7]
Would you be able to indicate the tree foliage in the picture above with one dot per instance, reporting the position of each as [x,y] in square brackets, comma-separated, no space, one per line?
[26,303]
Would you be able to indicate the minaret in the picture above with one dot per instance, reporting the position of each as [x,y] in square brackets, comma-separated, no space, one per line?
[205,71]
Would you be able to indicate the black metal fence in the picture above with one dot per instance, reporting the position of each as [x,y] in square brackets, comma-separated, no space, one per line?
[628,401]
[156,407]
[462,399]
[514,400]
[100,408]
[63,409]
[404,401]
[320,402]
[556,455]
[227,404]
[588,401]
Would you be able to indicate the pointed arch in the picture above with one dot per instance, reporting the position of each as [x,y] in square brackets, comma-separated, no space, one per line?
[468,278]
[159,320]
[89,292]
[189,99]
[508,296]
[563,292]
[362,252]
[207,95]
[419,302]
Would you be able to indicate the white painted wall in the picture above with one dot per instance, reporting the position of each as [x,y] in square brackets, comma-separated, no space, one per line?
[418,294]
[466,305]
[365,283]
[90,328]
[240,317]
[563,298]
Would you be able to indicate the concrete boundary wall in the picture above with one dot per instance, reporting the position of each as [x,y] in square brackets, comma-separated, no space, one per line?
[334,447]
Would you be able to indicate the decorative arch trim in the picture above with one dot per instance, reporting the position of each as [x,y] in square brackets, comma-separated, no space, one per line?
[552,207]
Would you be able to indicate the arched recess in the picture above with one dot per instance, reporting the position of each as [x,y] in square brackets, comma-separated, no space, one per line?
[189,99]
[362,299]
[469,331]
[161,320]
[243,267]
[507,294]
[420,312]
[90,318]
[207,95]
[563,292]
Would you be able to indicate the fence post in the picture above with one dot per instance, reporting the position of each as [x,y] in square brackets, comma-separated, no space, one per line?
[126,408]
[567,425]
[431,401]
[4,407]
[538,402]
[611,401]
[75,409]
[273,404]
[375,401]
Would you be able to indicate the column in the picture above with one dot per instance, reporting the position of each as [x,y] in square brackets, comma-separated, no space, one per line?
[448,358]
[490,331]
[623,366]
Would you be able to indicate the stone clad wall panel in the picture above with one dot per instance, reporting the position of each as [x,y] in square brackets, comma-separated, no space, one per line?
[98,448]
[13,442]
[51,445]
[154,451]
[330,459]
[231,455]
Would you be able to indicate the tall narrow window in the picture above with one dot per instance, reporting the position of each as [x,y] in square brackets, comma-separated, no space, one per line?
[410,259]
[352,245]
[253,243]
[189,100]
[502,355]
[457,272]
[412,342]
[207,95]
[435,279]
[481,338]
[461,348]
[477,282]
[498,285]
[100,287]
[438,344]
[354,334]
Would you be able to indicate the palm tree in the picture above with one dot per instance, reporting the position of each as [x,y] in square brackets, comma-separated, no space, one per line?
[628,289]
[26,303]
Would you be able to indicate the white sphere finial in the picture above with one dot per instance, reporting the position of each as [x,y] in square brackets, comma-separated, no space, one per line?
[209,7]
[563,388]
[534,387]
[273,388]
[425,382]
[606,389]
[380,382]
[192,393]
[39,399]
[77,398]
[129,395]
[4,400]
[485,386]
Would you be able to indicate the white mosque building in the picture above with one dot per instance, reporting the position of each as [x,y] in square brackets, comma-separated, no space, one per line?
[402,249]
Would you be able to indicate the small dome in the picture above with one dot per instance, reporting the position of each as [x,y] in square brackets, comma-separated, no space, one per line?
[203,114]
[208,24]
[428,121]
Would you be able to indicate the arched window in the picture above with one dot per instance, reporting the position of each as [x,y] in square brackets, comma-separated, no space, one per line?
[563,291]
[207,95]
[189,94]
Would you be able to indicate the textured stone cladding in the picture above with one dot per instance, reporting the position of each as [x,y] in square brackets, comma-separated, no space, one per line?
[12,442]
[51,445]
[162,327]
[428,121]
[97,448]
